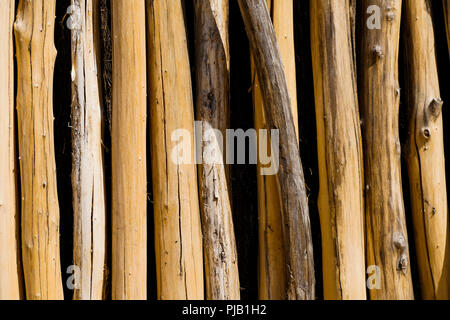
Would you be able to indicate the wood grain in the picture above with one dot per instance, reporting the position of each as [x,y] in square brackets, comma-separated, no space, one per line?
[386,233]
[87,166]
[425,151]
[9,220]
[178,235]
[296,230]
[129,153]
[213,109]
[340,151]
[272,273]
[36,53]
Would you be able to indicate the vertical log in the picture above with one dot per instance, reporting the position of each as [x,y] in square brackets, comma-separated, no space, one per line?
[340,155]
[425,152]
[178,237]
[87,168]
[272,273]
[9,267]
[36,53]
[128,138]
[213,109]
[296,230]
[387,240]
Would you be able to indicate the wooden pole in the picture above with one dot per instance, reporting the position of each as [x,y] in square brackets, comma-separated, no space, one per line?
[300,281]
[178,236]
[425,152]
[129,170]
[386,234]
[9,220]
[213,109]
[87,166]
[36,53]
[340,156]
[272,273]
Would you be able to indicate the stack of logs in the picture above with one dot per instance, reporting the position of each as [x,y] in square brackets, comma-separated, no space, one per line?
[355,53]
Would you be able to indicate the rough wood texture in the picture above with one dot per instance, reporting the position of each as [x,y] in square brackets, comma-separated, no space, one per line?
[339,146]
[300,281]
[386,234]
[87,167]
[213,109]
[129,160]
[178,237]
[34,29]
[9,220]
[272,273]
[425,152]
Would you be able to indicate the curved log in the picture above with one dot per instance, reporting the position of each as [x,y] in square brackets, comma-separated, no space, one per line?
[296,229]
[272,273]
[213,109]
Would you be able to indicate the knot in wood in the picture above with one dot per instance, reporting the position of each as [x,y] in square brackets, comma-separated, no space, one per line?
[435,107]
[377,52]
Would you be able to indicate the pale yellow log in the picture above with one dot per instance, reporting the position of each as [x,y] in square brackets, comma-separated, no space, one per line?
[340,151]
[178,237]
[425,152]
[386,234]
[9,242]
[36,53]
[87,168]
[272,273]
[129,170]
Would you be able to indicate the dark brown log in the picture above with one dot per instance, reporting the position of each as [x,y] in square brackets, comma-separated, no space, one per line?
[295,218]
[213,110]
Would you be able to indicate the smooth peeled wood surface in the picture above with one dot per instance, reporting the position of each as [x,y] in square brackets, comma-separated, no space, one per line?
[339,147]
[213,109]
[9,220]
[425,152]
[296,230]
[34,30]
[386,234]
[87,168]
[129,160]
[272,271]
[178,235]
